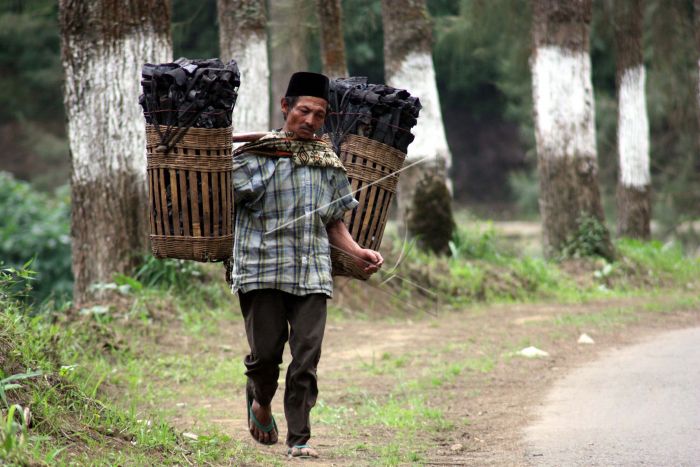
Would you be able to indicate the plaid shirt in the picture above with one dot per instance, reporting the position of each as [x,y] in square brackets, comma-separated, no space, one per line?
[270,193]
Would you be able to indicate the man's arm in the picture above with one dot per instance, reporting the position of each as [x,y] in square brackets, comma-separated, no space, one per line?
[338,236]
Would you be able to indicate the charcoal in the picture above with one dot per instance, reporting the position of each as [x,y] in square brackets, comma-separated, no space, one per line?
[198,93]
[188,94]
[376,111]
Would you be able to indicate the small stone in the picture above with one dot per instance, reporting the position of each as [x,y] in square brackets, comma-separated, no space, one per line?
[533,352]
[456,447]
[585,339]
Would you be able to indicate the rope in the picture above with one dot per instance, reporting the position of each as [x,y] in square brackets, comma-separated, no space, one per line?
[340,199]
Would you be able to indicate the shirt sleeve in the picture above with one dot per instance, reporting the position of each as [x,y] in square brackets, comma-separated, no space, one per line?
[250,175]
[342,199]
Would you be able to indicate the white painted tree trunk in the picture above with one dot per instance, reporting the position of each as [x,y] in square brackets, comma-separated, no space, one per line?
[102,55]
[408,64]
[698,90]
[243,37]
[633,129]
[634,181]
[417,75]
[105,122]
[696,26]
[563,102]
[564,118]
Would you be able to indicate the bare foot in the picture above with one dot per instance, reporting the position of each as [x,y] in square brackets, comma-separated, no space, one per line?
[263,414]
[302,451]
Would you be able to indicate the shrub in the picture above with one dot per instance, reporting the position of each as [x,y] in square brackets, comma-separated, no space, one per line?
[591,239]
[430,218]
[36,226]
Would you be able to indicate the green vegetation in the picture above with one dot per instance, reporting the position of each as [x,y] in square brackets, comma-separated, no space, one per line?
[55,374]
[480,51]
[118,382]
[114,376]
[591,239]
[485,268]
[35,227]
[430,220]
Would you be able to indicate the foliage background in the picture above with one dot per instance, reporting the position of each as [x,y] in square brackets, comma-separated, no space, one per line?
[481,50]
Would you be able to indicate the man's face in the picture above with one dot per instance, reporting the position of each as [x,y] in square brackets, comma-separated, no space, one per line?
[306,117]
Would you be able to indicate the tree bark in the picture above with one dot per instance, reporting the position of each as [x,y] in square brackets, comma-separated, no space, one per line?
[332,44]
[243,37]
[289,37]
[103,46]
[696,25]
[634,180]
[408,64]
[564,120]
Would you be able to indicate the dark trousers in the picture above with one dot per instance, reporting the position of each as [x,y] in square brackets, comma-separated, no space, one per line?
[271,318]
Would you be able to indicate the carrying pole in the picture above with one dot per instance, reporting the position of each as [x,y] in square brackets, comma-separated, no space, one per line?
[247,137]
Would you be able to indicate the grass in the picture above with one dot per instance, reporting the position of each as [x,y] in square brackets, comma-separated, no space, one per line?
[109,384]
[608,317]
[62,373]
[483,268]
[615,316]
[404,418]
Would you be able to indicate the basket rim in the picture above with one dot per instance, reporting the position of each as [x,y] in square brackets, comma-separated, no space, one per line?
[369,141]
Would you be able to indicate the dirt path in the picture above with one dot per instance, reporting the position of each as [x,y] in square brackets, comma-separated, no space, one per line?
[435,391]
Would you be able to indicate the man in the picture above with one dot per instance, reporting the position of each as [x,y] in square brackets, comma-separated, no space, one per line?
[291,193]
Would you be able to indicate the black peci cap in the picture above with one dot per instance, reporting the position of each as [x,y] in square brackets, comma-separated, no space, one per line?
[305,83]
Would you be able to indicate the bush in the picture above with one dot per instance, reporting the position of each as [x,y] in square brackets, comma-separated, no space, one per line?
[590,240]
[36,227]
[430,218]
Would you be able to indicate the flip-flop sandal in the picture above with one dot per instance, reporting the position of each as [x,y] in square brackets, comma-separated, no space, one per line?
[299,450]
[272,426]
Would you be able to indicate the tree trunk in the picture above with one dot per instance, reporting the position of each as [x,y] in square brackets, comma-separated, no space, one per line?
[243,37]
[289,37]
[408,64]
[332,44]
[564,120]
[696,24]
[103,46]
[634,180]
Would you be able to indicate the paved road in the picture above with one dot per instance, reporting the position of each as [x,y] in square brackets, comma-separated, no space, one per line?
[635,406]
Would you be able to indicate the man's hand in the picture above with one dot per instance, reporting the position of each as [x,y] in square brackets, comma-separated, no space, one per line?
[369,260]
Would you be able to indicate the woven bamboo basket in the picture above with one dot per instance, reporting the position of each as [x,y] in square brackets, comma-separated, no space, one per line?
[367,161]
[190,195]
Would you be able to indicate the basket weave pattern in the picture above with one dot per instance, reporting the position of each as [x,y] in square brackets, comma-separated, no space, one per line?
[190,195]
[366,162]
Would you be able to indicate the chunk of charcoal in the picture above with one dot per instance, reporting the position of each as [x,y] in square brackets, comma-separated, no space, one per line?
[386,113]
[199,93]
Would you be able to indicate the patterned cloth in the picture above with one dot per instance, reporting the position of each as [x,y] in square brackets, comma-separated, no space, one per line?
[302,152]
[282,209]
